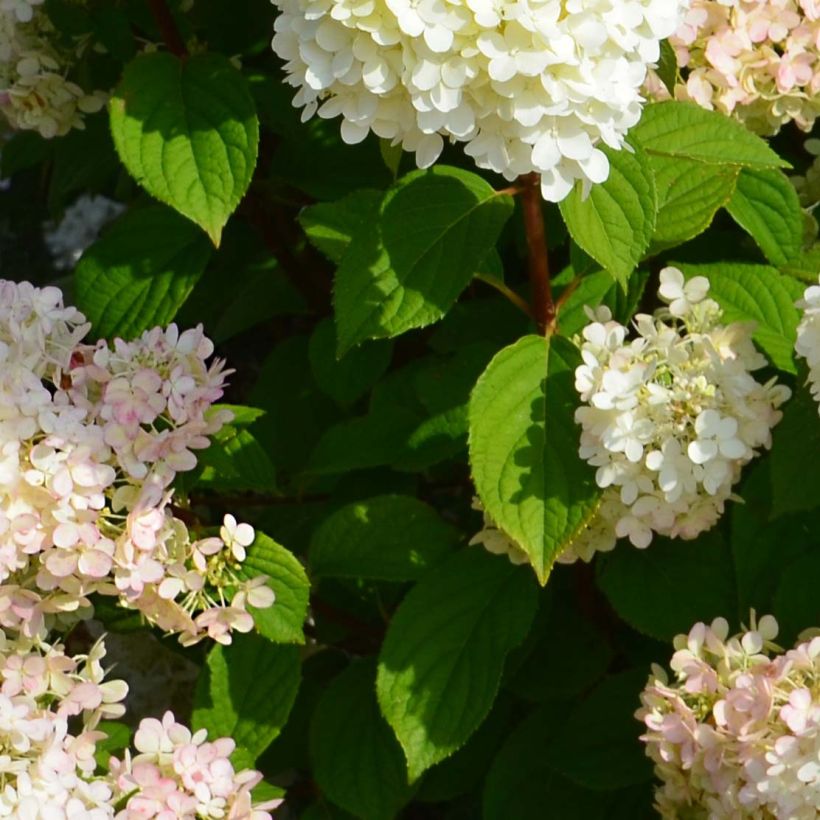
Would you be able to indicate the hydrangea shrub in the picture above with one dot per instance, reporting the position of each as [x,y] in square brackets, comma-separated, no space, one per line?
[409,409]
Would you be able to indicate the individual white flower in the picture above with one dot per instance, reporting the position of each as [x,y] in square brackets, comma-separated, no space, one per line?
[670,417]
[236,537]
[537,85]
[679,293]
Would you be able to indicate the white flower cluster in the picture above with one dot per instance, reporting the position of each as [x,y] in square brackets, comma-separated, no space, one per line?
[51,705]
[79,228]
[808,336]
[91,440]
[736,732]
[528,85]
[670,417]
[34,92]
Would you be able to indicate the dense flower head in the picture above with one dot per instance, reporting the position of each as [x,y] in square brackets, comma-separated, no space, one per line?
[177,773]
[669,417]
[34,91]
[79,228]
[51,705]
[758,60]
[734,732]
[807,344]
[536,85]
[91,439]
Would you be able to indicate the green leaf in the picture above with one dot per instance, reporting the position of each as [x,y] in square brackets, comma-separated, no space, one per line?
[686,131]
[22,150]
[374,440]
[463,771]
[331,226]
[667,68]
[350,377]
[125,283]
[766,206]
[118,738]
[759,294]
[290,429]
[689,195]
[442,658]
[805,266]
[596,289]
[663,590]
[84,161]
[615,222]
[795,478]
[524,448]
[236,461]
[243,415]
[561,630]
[761,549]
[187,131]
[356,759]
[406,268]
[523,784]
[598,747]
[443,386]
[390,537]
[246,692]
[283,621]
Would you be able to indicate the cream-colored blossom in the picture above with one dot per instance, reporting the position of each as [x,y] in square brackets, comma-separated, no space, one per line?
[35,92]
[669,417]
[526,86]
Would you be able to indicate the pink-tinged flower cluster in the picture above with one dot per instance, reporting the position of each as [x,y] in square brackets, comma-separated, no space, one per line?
[670,417]
[50,706]
[91,439]
[758,60]
[736,732]
[177,774]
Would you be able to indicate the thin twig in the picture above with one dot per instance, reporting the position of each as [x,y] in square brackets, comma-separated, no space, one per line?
[565,294]
[543,307]
[512,190]
[168,28]
[517,300]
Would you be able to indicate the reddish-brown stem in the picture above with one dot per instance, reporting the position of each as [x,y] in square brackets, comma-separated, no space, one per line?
[543,307]
[168,28]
